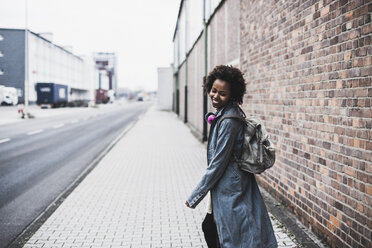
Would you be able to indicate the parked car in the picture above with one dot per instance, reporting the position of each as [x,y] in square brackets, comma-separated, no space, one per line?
[79,97]
[8,95]
[140,97]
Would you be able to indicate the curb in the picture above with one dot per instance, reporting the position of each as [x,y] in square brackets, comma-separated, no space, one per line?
[31,229]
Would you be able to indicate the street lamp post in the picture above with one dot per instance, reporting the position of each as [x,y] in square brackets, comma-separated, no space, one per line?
[25,112]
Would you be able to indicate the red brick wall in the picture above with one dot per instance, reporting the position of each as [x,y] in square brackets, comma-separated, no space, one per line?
[308,66]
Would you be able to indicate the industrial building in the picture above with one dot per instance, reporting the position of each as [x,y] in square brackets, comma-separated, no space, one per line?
[28,58]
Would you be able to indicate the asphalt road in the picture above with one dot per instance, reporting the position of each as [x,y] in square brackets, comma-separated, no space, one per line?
[40,158]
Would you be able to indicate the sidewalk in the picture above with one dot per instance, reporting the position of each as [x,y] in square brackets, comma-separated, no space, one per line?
[135,196]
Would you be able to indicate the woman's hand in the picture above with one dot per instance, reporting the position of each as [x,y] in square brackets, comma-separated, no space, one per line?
[187,204]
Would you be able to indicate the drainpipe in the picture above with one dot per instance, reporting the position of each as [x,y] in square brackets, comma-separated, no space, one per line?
[26,93]
[178,95]
[177,79]
[186,82]
[186,62]
[205,99]
[185,103]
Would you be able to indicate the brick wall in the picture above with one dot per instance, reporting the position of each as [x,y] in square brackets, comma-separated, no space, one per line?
[308,66]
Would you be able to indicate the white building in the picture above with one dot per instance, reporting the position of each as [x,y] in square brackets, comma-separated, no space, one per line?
[165,88]
[46,62]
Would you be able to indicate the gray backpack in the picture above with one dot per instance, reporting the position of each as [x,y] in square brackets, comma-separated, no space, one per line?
[258,151]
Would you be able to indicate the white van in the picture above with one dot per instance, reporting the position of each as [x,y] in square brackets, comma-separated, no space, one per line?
[8,95]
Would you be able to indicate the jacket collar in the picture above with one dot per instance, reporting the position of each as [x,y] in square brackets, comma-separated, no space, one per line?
[224,109]
[220,112]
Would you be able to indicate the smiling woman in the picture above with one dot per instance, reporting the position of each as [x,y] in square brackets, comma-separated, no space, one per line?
[236,214]
[230,75]
[220,94]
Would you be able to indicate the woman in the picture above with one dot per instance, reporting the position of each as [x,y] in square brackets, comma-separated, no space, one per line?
[238,216]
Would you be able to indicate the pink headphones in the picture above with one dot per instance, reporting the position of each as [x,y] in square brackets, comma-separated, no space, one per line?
[211,118]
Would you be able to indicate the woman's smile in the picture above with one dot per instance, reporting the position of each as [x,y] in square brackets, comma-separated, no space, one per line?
[220,94]
[215,102]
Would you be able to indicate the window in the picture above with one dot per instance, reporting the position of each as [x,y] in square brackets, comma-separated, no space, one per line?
[1,37]
[19,92]
[1,54]
[1,71]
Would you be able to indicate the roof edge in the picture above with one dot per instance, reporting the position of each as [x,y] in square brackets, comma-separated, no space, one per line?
[178,17]
[41,37]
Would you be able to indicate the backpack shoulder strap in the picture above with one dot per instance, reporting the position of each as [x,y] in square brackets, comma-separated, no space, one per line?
[250,128]
[230,117]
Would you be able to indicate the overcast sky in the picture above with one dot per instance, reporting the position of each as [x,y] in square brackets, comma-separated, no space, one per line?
[139,31]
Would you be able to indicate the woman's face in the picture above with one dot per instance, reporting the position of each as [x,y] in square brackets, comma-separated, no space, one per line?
[220,93]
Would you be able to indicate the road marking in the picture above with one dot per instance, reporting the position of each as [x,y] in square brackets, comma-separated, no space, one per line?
[35,132]
[4,140]
[59,125]
[74,121]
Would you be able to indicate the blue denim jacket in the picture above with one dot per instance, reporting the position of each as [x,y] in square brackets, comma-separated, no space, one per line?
[238,208]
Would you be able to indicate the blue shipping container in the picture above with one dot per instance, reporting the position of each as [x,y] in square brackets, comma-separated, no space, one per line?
[51,93]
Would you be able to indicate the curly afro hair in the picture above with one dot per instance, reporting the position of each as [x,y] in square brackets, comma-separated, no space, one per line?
[233,76]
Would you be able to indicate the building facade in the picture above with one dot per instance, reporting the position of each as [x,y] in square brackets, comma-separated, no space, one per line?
[206,35]
[12,60]
[40,60]
[308,69]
